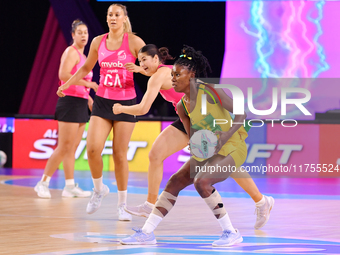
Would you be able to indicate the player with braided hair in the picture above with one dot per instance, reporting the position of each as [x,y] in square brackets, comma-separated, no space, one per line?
[174,138]
[190,65]
[194,61]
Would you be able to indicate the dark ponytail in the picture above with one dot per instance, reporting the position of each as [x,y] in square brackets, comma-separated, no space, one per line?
[75,24]
[152,50]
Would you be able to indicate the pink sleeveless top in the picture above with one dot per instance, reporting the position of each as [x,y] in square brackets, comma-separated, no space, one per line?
[76,90]
[116,82]
[171,95]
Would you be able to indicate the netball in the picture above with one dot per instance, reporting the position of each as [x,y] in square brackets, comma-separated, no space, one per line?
[203,143]
[3,158]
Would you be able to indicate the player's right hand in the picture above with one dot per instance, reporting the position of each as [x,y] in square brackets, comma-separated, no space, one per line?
[60,92]
[92,85]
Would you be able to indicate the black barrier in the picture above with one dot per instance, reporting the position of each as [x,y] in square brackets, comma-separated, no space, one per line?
[6,141]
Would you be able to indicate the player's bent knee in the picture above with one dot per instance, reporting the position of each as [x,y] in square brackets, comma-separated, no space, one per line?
[175,181]
[155,156]
[202,184]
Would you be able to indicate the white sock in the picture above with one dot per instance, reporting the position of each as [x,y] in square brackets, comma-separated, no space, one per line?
[149,204]
[225,223]
[98,184]
[70,183]
[122,196]
[261,202]
[151,223]
[47,178]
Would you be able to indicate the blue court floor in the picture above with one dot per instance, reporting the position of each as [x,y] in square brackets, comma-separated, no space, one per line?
[291,188]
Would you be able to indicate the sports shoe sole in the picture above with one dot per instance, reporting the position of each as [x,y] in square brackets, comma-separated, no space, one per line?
[268,214]
[146,215]
[138,243]
[70,195]
[238,240]
[124,219]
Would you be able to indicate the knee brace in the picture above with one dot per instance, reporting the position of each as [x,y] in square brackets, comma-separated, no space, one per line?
[164,202]
[214,201]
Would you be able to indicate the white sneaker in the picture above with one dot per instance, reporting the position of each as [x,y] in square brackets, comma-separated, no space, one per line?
[263,212]
[96,200]
[142,210]
[42,189]
[75,192]
[139,238]
[228,238]
[122,214]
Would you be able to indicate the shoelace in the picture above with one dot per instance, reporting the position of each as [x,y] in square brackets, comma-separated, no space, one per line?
[44,188]
[257,212]
[139,235]
[121,209]
[95,198]
[75,188]
[78,190]
[42,184]
[137,230]
[142,207]
[226,233]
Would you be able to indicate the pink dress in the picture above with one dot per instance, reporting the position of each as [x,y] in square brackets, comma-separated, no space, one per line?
[171,95]
[116,82]
[76,90]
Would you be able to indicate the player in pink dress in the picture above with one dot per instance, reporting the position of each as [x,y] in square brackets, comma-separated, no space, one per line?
[174,137]
[112,50]
[72,115]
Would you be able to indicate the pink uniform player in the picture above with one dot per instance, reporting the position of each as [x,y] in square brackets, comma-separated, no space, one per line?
[112,50]
[76,90]
[72,115]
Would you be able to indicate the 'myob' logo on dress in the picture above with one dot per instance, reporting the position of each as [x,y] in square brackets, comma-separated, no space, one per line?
[111,64]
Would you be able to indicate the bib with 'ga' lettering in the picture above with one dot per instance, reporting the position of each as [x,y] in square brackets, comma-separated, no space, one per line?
[116,82]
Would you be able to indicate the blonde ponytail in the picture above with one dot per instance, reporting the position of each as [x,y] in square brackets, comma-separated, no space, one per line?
[127,26]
